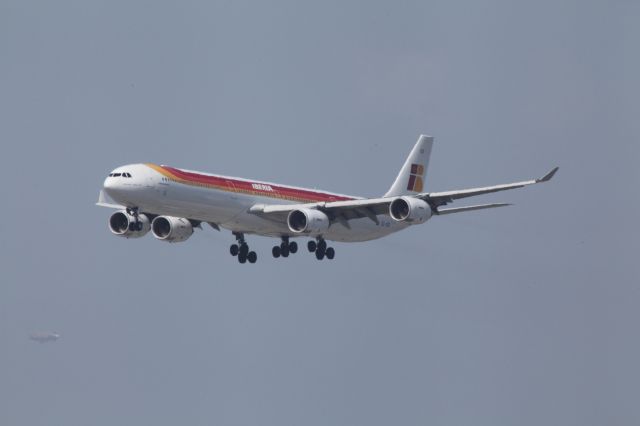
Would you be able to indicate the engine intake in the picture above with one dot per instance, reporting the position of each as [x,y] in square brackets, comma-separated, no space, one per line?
[124,224]
[409,209]
[307,221]
[171,229]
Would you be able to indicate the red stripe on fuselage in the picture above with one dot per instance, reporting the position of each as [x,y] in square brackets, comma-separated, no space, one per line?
[241,186]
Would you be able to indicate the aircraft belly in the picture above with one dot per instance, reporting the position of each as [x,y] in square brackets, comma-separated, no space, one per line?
[363,229]
[250,223]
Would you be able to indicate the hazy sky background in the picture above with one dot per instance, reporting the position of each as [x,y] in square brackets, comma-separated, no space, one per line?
[526,315]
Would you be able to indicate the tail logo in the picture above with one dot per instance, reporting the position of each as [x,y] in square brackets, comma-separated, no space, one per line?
[416,177]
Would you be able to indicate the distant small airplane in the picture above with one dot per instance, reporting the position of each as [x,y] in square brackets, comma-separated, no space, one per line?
[171,202]
[44,337]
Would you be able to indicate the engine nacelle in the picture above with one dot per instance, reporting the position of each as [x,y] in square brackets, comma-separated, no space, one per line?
[307,221]
[171,229]
[410,209]
[124,224]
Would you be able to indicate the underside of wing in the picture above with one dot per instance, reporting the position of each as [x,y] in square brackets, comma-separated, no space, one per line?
[471,208]
[336,211]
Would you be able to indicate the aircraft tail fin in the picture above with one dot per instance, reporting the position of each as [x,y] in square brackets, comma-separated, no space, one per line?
[410,180]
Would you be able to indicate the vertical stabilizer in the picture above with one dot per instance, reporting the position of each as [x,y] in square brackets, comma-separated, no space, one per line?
[411,178]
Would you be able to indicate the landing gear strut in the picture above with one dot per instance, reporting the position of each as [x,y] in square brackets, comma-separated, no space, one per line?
[241,249]
[284,248]
[136,225]
[320,248]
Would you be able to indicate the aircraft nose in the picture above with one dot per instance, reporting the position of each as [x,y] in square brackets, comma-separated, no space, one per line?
[108,183]
[111,185]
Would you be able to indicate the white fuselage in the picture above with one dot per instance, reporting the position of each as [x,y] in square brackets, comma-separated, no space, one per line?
[225,201]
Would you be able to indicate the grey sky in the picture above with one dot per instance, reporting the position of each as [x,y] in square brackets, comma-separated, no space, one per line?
[521,316]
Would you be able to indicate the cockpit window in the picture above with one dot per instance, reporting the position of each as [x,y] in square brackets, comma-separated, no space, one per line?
[127,175]
[116,174]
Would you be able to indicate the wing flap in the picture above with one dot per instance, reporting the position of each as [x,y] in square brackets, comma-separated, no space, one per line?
[471,208]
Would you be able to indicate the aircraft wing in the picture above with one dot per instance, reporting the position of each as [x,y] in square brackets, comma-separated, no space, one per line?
[105,201]
[343,211]
[441,198]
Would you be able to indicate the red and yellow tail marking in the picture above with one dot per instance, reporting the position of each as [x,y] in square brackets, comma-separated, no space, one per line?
[416,178]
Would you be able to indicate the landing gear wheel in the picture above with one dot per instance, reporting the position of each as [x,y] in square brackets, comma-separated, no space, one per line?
[330,253]
[284,249]
[241,249]
[275,251]
[293,247]
[311,246]
[322,246]
[139,226]
[319,254]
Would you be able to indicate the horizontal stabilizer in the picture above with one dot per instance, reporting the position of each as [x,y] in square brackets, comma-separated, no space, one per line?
[471,208]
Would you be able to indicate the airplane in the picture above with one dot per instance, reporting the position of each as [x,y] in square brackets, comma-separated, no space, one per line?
[44,337]
[171,202]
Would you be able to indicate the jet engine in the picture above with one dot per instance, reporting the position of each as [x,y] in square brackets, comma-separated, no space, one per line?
[171,229]
[308,221]
[124,224]
[410,209]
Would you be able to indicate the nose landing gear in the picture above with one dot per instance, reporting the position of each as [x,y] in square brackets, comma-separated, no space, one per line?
[241,250]
[136,225]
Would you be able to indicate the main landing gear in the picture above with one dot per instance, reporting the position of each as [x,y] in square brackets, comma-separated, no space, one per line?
[241,249]
[136,225]
[321,249]
[284,248]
